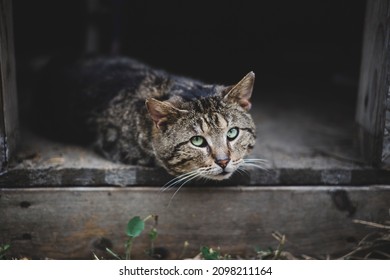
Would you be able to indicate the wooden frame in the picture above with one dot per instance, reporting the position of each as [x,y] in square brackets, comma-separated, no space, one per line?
[373,106]
[8,95]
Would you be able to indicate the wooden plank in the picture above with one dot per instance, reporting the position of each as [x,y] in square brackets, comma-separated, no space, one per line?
[135,176]
[373,106]
[71,223]
[8,97]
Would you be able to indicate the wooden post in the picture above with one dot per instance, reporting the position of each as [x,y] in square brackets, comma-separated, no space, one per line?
[8,97]
[373,106]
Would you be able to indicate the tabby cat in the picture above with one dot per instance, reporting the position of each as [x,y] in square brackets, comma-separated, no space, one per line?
[136,114]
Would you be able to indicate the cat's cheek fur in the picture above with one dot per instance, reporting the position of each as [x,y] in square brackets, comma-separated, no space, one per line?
[168,153]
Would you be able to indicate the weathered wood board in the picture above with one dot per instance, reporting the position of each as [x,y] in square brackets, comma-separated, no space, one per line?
[8,98]
[72,223]
[373,106]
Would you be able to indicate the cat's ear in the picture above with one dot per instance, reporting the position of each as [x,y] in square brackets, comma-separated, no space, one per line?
[241,92]
[161,111]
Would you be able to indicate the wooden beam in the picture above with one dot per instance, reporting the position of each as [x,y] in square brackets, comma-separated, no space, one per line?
[73,223]
[8,95]
[322,160]
[373,106]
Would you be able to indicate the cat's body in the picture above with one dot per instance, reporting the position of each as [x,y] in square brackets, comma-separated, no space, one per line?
[135,114]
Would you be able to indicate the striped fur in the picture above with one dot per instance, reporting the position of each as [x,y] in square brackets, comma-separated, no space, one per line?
[136,114]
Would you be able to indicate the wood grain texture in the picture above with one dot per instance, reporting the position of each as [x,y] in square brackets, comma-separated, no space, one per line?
[373,102]
[8,95]
[71,223]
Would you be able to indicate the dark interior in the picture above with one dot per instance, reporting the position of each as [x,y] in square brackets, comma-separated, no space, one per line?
[288,44]
[306,57]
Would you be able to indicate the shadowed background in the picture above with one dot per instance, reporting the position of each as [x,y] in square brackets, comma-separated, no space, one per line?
[288,44]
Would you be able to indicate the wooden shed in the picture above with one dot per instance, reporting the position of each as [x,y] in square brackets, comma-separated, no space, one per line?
[327,143]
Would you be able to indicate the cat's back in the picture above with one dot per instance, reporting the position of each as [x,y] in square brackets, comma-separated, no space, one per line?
[69,92]
[72,94]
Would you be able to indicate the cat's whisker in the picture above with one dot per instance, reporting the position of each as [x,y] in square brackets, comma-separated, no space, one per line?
[194,175]
[171,183]
[183,177]
[242,171]
[255,165]
[256,160]
[175,181]
[258,163]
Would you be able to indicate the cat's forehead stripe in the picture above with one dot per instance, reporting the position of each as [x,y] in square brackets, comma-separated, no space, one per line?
[204,125]
[212,121]
[222,122]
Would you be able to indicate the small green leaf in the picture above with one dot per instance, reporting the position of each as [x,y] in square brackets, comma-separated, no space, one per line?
[135,227]
[3,250]
[153,234]
[210,254]
[6,247]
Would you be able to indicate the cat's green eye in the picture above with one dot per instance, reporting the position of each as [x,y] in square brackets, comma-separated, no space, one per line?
[232,133]
[198,141]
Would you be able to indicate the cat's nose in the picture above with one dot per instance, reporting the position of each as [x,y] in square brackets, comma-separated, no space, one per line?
[222,162]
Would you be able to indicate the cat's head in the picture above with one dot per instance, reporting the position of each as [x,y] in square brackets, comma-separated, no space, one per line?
[206,137]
